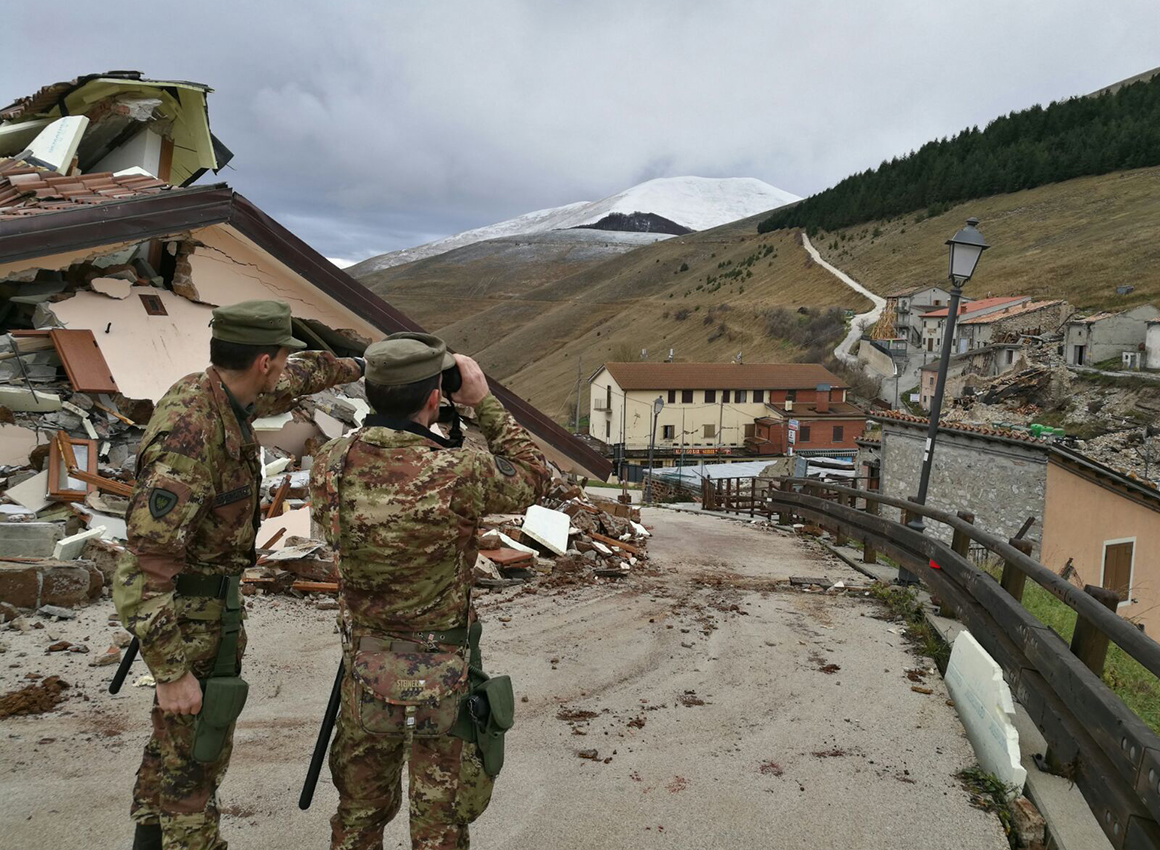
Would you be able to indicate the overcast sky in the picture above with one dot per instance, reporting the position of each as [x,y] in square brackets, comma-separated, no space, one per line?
[371,126]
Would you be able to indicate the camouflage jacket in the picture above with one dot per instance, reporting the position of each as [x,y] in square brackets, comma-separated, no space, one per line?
[402,513]
[194,508]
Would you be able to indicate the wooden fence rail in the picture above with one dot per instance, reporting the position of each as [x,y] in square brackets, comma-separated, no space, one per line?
[1093,737]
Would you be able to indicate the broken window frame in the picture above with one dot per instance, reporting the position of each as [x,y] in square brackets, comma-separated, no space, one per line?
[63,458]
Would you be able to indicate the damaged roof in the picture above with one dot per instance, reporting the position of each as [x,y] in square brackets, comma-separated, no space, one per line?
[28,190]
[83,217]
[118,104]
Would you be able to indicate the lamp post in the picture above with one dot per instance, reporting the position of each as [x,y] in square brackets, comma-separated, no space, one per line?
[966,247]
[652,438]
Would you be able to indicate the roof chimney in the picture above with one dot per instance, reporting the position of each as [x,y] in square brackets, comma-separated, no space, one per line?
[822,398]
[644,354]
[669,359]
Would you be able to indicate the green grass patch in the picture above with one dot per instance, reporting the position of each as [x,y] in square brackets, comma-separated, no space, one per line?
[903,603]
[991,794]
[1127,677]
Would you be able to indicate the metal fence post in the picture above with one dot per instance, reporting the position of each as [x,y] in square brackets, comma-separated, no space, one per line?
[752,494]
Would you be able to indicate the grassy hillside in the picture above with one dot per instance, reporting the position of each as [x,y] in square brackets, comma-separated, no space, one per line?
[532,324]
[1076,240]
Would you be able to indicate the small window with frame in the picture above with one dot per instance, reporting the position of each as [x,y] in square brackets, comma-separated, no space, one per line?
[69,454]
[154,306]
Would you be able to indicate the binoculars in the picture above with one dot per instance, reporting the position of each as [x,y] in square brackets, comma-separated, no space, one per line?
[452,380]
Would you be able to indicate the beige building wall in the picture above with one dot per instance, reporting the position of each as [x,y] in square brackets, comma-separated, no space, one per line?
[608,415]
[1082,517]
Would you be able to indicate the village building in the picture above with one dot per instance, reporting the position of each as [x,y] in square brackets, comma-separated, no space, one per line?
[966,369]
[1092,524]
[908,305]
[1152,344]
[1102,337]
[934,321]
[722,409]
[1031,318]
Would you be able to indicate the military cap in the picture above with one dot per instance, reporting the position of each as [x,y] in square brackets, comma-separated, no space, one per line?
[405,358]
[256,323]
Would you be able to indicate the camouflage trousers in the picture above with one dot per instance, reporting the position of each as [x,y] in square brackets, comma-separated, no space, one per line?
[448,787]
[172,788]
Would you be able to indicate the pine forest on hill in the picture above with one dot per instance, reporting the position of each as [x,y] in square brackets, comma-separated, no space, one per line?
[1037,146]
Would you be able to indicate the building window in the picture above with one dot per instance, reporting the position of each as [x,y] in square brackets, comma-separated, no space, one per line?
[724,396]
[607,429]
[667,431]
[791,395]
[154,305]
[686,396]
[608,397]
[672,396]
[740,395]
[1117,572]
[839,433]
[710,431]
[710,396]
[804,434]
[750,430]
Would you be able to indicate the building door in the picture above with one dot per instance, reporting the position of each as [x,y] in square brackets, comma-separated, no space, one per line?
[930,343]
[1117,573]
[1079,352]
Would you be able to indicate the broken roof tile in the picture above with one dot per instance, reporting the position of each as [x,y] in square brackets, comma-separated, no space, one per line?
[25,190]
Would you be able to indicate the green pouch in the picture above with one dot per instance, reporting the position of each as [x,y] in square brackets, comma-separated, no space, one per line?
[223,698]
[492,725]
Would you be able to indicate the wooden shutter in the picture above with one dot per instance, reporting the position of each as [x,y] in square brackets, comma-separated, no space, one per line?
[1118,568]
[83,362]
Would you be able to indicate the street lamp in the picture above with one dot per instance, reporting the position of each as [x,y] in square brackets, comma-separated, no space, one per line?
[657,405]
[966,247]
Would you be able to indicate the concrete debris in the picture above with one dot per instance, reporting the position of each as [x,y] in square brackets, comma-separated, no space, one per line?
[547,527]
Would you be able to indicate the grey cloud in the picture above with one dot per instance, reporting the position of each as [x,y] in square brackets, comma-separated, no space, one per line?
[372,126]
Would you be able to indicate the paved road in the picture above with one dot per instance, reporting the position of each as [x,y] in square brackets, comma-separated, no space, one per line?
[715,722]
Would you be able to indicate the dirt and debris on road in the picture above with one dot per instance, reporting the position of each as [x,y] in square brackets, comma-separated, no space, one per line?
[36,698]
[626,653]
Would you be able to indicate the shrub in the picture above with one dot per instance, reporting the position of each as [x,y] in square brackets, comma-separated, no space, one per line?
[681,314]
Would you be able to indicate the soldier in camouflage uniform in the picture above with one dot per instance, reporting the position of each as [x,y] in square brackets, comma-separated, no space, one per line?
[191,523]
[401,506]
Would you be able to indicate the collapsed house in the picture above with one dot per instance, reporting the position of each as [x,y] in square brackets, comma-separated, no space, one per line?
[111,263]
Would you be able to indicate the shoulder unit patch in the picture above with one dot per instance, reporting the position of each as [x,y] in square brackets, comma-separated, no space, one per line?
[161,502]
[505,466]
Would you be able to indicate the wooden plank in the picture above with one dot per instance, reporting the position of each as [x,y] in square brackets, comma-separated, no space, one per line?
[83,362]
[277,536]
[1014,579]
[315,586]
[279,498]
[612,541]
[117,488]
[114,413]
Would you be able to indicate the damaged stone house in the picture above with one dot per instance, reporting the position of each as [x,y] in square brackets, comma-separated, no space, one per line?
[1093,524]
[110,265]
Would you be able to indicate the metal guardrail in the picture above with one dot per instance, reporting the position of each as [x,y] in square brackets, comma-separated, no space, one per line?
[1093,737]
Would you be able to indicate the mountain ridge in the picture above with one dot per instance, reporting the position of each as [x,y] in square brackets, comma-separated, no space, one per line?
[691,203]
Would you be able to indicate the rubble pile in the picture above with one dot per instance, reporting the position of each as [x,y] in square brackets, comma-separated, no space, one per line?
[566,539]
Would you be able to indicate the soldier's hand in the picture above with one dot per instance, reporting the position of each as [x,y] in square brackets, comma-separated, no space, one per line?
[182,696]
[474,387]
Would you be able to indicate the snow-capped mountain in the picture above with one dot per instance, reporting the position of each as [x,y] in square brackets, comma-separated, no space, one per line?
[690,203]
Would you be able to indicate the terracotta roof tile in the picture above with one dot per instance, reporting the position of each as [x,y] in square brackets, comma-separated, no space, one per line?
[721,376]
[973,306]
[25,190]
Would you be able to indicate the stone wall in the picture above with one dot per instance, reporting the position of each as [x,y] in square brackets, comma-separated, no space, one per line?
[1001,483]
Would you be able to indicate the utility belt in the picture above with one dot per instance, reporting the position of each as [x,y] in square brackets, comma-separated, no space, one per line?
[411,685]
[223,691]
